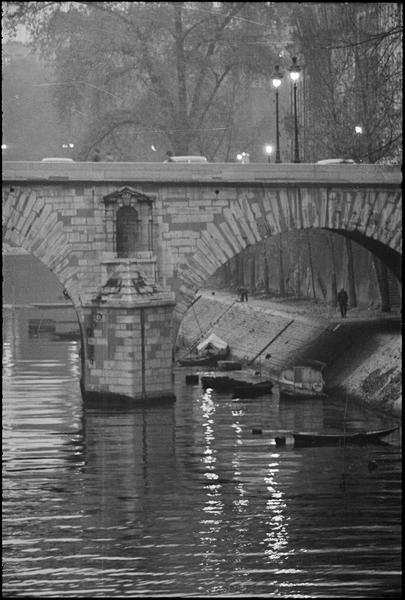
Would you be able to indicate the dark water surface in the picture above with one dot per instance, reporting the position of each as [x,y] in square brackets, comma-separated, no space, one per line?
[184,500]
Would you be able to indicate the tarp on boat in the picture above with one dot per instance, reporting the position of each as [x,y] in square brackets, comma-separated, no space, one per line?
[213,344]
[303,377]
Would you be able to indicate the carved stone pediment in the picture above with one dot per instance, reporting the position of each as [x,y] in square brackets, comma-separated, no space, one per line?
[126,194]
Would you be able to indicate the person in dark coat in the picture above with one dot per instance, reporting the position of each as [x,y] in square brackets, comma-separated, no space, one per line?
[96,155]
[243,294]
[342,299]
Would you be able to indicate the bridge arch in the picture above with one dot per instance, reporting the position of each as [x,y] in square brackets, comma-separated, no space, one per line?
[30,223]
[371,219]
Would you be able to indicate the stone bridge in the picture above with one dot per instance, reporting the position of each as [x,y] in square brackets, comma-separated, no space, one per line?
[132,243]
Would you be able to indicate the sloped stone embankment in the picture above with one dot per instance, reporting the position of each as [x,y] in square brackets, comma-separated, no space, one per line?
[363,355]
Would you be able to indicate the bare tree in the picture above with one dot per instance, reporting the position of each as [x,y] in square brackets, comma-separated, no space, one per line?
[350,273]
[127,70]
[329,238]
[353,71]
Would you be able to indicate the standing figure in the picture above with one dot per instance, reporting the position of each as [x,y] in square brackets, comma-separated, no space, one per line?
[342,299]
[96,155]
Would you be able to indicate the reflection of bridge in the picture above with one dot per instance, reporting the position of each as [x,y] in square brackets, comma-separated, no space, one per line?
[132,242]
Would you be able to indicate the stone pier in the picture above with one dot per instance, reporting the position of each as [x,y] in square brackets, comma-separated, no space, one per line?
[127,333]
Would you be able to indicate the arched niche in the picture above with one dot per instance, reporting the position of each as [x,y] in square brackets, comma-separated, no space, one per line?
[131,215]
[127,232]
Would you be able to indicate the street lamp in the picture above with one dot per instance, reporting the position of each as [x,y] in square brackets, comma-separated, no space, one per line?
[268,150]
[295,75]
[358,130]
[276,81]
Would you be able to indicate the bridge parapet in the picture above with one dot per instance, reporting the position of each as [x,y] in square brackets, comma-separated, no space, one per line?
[216,173]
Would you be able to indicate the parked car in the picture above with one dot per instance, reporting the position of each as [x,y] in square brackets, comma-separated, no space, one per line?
[336,161]
[58,160]
[187,159]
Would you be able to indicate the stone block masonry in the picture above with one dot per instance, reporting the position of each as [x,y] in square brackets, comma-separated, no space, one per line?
[129,353]
[186,221]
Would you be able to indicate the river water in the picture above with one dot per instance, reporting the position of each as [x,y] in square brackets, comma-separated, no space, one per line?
[184,500]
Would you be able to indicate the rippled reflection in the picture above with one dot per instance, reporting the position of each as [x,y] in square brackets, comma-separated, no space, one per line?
[183,500]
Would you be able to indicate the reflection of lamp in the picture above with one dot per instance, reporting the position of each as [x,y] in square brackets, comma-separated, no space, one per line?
[276,81]
[295,75]
[268,150]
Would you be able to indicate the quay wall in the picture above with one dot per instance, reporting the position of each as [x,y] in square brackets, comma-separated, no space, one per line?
[363,357]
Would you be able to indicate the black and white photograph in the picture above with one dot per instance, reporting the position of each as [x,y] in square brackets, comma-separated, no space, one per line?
[202,299]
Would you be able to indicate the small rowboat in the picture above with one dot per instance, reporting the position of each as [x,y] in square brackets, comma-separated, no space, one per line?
[309,438]
[208,353]
[252,390]
[229,365]
[198,361]
[239,388]
[303,381]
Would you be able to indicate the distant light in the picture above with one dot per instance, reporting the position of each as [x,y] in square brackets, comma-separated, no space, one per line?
[153,148]
[243,157]
[4,146]
[268,149]
[71,145]
[358,129]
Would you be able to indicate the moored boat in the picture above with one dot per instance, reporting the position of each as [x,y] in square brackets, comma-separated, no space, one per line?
[302,381]
[229,365]
[311,438]
[252,390]
[238,387]
[208,353]
[198,361]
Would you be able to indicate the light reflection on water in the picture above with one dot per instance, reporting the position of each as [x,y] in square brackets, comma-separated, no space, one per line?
[183,499]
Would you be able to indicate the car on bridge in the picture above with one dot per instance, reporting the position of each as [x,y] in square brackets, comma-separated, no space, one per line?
[187,159]
[336,161]
[58,160]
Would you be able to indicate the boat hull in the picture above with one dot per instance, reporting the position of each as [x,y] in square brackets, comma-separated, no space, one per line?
[198,362]
[291,392]
[332,439]
[239,388]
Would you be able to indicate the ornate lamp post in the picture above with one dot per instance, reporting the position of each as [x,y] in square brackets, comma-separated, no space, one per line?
[268,150]
[295,75]
[276,81]
[358,130]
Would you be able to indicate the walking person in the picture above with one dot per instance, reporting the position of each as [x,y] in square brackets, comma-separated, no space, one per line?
[343,299]
[96,155]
